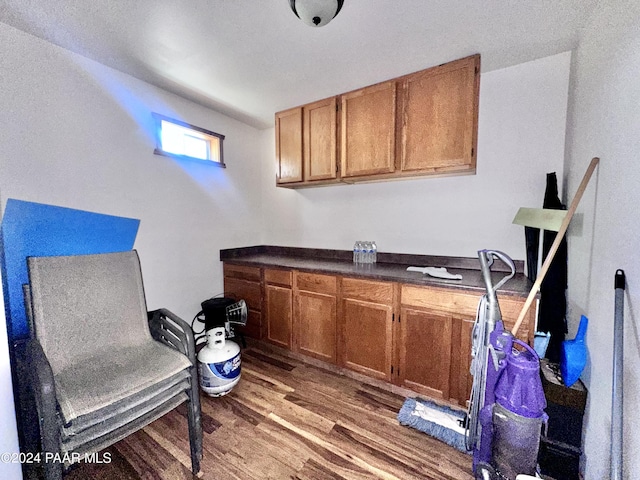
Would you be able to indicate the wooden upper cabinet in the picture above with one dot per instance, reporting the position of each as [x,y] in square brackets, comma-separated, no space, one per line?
[289,146]
[319,127]
[439,118]
[368,120]
[424,123]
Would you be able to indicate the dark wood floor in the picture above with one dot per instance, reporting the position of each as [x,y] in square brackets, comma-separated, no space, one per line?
[287,419]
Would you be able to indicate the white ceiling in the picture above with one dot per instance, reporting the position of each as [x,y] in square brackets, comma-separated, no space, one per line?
[251,58]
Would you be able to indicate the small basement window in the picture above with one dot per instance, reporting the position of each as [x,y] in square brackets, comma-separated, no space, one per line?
[182,140]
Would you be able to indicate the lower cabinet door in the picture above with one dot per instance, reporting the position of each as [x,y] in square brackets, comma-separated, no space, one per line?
[461,379]
[465,379]
[315,315]
[279,315]
[425,352]
[367,338]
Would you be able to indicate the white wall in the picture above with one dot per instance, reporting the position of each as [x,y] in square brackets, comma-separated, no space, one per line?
[75,133]
[8,432]
[521,137]
[604,121]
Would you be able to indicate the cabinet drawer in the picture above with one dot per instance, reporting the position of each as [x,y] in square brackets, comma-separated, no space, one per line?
[466,304]
[242,271]
[440,299]
[367,290]
[316,283]
[242,289]
[278,277]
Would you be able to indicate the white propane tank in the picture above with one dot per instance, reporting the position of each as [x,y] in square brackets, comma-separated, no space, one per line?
[218,364]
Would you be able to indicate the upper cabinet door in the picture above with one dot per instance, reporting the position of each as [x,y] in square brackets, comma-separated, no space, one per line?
[439,118]
[289,146]
[368,130]
[320,140]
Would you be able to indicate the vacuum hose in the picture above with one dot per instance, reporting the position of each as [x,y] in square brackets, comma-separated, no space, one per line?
[478,371]
[487,315]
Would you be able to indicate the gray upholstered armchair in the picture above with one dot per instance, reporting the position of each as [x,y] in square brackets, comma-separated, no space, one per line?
[99,365]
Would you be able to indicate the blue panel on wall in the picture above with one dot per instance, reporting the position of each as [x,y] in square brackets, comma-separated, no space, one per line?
[35,229]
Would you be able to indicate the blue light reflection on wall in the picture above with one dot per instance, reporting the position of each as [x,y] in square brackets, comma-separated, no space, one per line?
[35,229]
[140,106]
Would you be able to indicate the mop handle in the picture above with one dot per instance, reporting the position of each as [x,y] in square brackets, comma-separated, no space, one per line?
[556,244]
[616,400]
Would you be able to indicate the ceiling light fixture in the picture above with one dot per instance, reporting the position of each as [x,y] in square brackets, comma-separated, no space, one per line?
[316,13]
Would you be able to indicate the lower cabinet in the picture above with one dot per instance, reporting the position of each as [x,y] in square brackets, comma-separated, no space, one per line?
[424,343]
[315,313]
[437,323]
[417,337]
[366,333]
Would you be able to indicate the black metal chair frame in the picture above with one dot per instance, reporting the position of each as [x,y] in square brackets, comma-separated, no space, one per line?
[166,328]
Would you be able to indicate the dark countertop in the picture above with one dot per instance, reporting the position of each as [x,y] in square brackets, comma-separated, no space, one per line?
[389,267]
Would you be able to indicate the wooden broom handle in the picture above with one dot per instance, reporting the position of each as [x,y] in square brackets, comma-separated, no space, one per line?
[556,244]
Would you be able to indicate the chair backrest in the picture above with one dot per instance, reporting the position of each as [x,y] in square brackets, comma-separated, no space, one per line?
[87,303]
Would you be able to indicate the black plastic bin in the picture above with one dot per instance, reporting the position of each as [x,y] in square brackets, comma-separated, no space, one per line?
[559,460]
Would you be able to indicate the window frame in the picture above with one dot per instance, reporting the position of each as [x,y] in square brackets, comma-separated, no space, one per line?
[158,118]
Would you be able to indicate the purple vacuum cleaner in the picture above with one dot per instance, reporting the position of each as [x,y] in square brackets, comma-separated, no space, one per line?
[506,408]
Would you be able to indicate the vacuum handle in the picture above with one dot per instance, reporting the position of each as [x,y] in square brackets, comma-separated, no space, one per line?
[486,260]
[505,258]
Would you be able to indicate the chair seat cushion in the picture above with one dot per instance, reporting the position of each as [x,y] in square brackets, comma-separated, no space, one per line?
[112,375]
